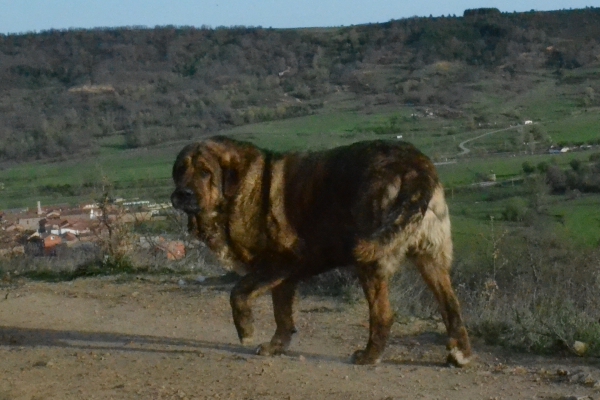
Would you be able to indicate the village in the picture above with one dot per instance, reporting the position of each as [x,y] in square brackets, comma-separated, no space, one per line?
[57,230]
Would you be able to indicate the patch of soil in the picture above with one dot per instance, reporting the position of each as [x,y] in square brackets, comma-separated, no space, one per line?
[163,338]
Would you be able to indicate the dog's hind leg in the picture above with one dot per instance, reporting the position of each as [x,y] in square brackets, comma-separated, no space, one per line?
[248,288]
[283,301]
[435,270]
[375,286]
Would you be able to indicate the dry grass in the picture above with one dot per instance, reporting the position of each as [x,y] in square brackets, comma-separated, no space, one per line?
[93,89]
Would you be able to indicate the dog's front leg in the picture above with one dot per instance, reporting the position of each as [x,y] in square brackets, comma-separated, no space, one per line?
[248,288]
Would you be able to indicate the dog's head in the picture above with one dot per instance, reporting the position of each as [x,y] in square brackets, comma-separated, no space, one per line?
[205,175]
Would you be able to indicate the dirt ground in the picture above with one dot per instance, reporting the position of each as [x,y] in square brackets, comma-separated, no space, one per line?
[150,337]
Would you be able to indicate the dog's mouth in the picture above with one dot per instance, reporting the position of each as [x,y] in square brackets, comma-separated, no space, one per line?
[185,200]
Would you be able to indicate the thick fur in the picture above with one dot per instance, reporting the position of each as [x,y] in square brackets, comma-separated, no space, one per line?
[279,218]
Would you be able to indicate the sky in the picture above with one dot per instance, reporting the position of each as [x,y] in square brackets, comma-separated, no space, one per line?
[20,16]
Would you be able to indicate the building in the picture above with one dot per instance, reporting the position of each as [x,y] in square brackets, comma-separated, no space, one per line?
[43,244]
[30,223]
[173,249]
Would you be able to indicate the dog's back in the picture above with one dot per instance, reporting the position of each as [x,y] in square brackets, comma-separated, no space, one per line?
[364,191]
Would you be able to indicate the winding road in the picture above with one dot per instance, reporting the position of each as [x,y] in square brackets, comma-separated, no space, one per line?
[465,150]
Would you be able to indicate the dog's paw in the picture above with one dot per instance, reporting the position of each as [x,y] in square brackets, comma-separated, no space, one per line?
[360,357]
[247,341]
[457,358]
[268,349]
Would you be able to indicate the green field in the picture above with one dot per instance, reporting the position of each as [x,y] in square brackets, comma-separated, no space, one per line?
[145,173]
[135,173]
[580,219]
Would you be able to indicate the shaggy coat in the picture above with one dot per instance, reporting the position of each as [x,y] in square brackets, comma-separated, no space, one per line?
[279,218]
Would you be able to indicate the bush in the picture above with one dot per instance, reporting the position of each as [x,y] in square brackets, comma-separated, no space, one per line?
[529,291]
[539,297]
[556,179]
[542,167]
[515,210]
[528,168]
[575,164]
[341,283]
[595,157]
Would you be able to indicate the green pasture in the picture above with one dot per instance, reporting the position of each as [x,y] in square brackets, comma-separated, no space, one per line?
[467,171]
[575,220]
[146,172]
[470,235]
[326,130]
[579,127]
[133,173]
[580,219]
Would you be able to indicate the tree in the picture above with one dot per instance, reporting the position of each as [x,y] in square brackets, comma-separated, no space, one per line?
[542,167]
[115,235]
[528,168]
[556,178]
[575,164]
[537,191]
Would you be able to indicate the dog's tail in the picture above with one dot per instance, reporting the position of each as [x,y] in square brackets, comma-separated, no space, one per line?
[403,215]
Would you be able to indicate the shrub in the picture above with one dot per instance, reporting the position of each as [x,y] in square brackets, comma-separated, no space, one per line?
[542,167]
[595,157]
[575,164]
[515,210]
[528,168]
[556,179]
[542,297]
[341,283]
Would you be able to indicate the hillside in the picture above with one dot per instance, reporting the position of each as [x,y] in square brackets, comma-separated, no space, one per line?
[73,92]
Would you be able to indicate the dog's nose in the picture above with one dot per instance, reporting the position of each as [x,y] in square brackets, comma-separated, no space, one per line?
[182,197]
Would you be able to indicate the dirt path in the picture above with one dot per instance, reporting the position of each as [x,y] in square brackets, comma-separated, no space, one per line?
[150,338]
[465,150]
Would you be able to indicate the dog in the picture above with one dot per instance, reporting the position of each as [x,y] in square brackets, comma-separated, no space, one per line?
[279,218]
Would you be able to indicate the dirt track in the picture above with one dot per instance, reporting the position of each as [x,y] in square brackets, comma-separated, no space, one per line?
[150,338]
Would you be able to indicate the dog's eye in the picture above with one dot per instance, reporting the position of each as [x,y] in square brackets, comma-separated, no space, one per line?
[204,173]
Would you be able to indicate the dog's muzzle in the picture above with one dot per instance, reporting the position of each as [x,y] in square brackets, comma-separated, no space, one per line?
[185,200]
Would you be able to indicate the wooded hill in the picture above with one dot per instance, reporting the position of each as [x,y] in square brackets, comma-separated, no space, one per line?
[62,92]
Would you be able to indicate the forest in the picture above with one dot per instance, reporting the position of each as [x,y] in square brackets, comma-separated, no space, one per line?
[62,92]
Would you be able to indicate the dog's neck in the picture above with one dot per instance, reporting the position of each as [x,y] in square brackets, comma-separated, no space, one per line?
[258,220]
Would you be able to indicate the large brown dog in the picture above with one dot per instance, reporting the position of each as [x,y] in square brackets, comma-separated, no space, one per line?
[279,218]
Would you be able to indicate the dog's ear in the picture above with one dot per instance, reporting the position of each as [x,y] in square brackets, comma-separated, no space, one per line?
[226,153]
[229,159]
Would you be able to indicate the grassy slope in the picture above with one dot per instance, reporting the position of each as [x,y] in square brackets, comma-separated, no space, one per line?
[146,172]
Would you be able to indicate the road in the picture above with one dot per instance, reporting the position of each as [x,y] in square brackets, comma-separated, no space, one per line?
[150,338]
[465,150]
